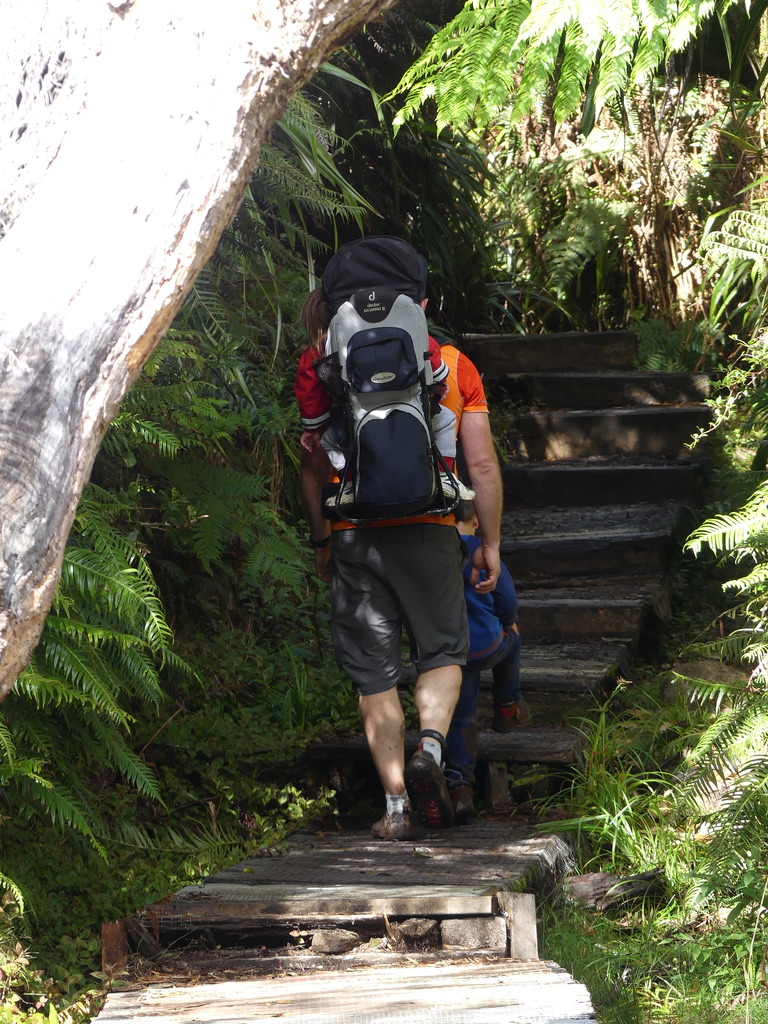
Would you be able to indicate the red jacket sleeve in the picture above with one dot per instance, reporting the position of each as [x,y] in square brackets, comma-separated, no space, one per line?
[439,369]
[312,398]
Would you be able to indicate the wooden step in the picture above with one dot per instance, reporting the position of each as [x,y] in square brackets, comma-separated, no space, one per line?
[601,481]
[592,540]
[571,668]
[577,433]
[468,991]
[497,355]
[548,666]
[346,879]
[533,745]
[553,676]
[593,609]
[230,963]
[603,390]
[531,560]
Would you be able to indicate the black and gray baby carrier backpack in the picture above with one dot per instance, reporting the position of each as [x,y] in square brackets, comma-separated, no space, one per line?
[378,372]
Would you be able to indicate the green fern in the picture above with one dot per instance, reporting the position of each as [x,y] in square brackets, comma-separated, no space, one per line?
[744,235]
[729,756]
[734,533]
[496,54]
[102,650]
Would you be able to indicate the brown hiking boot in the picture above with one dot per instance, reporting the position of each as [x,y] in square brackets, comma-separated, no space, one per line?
[395,827]
[463,806]
[428,791]
[508,717]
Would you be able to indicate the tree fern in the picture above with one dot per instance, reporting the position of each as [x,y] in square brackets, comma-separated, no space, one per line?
[472,67]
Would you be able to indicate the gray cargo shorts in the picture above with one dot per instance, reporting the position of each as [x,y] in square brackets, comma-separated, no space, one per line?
[392,577]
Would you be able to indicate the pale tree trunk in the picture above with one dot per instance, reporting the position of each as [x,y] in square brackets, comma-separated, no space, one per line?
[128,133]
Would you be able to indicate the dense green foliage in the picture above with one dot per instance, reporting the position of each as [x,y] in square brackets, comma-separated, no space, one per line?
[417,183]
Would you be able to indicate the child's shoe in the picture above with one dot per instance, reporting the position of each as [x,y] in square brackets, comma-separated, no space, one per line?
[508,717]
[347,496]
[463,804]
[450,484]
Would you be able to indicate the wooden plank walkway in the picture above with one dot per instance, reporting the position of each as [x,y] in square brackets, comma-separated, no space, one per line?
[469,889]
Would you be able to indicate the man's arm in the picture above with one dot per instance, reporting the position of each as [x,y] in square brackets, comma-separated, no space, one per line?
[485,477]
[315,472]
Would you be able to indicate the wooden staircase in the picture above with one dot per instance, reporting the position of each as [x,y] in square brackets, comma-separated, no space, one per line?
[601,486]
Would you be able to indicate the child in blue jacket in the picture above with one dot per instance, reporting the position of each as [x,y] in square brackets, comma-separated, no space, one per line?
[494,643]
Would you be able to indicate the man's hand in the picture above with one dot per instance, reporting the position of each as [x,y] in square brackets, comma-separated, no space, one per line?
[485,557]
[485,480]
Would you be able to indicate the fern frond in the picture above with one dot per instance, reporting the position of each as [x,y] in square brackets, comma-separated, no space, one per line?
[47,689]
[20,768]
[7,746]
[64,809]
[87,674]
[209,841]
[123,590]
[8,885]
[730,531]
[577,63]
[128,764]
[744,235]
[278,560]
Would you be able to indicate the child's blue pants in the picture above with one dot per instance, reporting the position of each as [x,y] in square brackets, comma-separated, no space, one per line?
[461,741]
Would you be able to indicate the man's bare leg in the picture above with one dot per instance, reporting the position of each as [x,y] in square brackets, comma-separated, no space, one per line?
[435,697]
[384,727]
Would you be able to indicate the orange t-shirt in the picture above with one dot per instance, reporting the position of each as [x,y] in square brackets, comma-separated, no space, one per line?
[465,394]
[465,386]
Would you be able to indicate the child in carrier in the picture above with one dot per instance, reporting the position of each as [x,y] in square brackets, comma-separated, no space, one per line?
[315,405]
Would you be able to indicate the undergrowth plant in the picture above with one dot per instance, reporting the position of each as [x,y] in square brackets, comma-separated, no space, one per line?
[690,945]
[685,346]
[104,646]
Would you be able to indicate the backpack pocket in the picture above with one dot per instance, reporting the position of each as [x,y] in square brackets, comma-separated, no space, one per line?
[395,470]
[381,359]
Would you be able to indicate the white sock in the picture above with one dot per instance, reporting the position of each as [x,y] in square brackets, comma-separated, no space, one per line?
[396,802]
[431,746]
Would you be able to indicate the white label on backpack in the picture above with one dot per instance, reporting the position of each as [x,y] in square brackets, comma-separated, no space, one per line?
[382,378]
